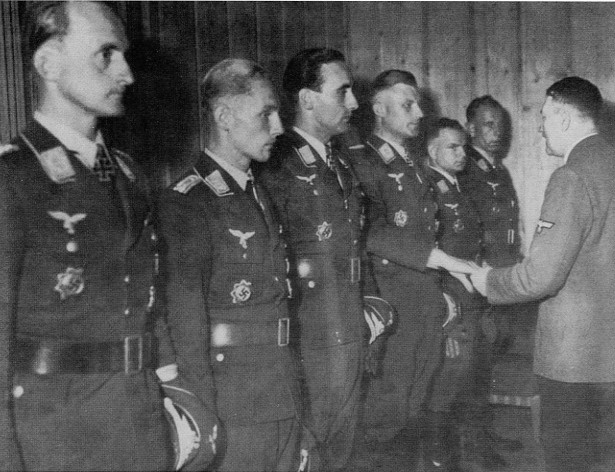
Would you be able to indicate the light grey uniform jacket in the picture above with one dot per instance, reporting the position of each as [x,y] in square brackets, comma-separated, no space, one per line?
[571,269]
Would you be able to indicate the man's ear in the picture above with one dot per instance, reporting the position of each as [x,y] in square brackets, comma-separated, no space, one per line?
[471,129]
[431,151]
[223,115]
[47,60]
[565,118]
[379,109]
[306,99]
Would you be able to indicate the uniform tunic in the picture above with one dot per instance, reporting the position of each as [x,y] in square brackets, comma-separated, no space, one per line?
[491,189]
[226,292]
[319,210]
[77,266]
[401,234]
[460,235]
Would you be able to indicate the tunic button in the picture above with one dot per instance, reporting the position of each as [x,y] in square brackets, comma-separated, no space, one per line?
[276,279]
[127,311]
[18,391]
[385,261]
[355,242]
[72,246]
[220,357]
[127,279]
[311,284]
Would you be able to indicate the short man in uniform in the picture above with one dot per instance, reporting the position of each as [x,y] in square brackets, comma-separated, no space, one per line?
[569,268]
[401,242]
[225,272]
[489,185]
[459,234]
[318,203]
[77,264]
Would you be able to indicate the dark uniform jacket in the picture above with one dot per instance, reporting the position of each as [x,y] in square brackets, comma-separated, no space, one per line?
[401,234]
[77,265]
[459,232]
[491,189]
[227,295]
[320,214]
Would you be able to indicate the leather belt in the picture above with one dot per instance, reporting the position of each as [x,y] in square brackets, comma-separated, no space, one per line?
[45,356]
[251,334]
[308,267]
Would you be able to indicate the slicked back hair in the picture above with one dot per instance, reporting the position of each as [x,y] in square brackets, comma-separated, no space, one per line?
[434,128]
[580,94]
[304,71]
[43,21]
[228,78]
[485,100]
[388,79]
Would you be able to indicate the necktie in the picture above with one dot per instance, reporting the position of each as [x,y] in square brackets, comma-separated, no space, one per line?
[104,167]
[251,191]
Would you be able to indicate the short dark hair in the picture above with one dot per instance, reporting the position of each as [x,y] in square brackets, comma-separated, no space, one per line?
[579,93]
[43,21]
[389,78]
[304,70]
[434,127]
[485,100]
[228,78]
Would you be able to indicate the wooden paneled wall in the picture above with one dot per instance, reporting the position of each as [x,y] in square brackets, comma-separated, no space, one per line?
[457,50]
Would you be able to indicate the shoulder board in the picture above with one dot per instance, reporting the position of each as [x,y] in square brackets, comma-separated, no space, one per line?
[442,186]
[121,158]
[354,147]
[216,182]
[54,161]
[8,148]
[185,185]
[386,153]
[306,155]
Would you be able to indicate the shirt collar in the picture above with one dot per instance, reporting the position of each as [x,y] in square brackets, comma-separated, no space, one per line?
[312,141]
[84,149]
[447,176]
[238,175]
[567,155]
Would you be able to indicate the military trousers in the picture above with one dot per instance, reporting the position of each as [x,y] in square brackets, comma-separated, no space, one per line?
[333,385]
[81,422]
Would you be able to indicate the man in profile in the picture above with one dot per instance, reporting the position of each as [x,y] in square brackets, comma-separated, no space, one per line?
[317,201]
[226,274]
[569,268]
[76,263]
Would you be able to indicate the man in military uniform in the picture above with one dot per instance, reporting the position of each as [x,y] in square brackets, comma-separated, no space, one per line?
[225,271]
[318,203]
[401,242]
[489,185]
[77,264]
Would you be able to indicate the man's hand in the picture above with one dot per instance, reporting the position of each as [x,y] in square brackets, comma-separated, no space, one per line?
[479,279]
[438,259]
[463,278]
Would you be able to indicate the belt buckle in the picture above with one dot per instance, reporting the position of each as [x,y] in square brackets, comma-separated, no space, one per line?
[355,269]
[283,331]
[133,345]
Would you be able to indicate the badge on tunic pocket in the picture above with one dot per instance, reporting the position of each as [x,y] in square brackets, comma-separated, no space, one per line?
[70,282]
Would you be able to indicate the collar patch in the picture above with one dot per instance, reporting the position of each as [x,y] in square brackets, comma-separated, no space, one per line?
[543,224]
[187,184]
[443,186]
[306,155]
[216,182]
[386,153]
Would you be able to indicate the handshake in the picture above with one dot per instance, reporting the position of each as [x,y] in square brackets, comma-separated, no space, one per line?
[471,275]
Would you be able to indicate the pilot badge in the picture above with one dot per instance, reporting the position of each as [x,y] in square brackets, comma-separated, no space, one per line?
[70,282]
[401,218]
[325,231]
[242,291]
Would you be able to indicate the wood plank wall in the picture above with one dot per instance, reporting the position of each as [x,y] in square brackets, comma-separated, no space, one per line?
[457,50]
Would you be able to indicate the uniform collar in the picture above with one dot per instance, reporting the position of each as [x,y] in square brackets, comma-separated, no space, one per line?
[312,141]
[452,180]
[484,154]
[567,155]
[84,149]
[238,175]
